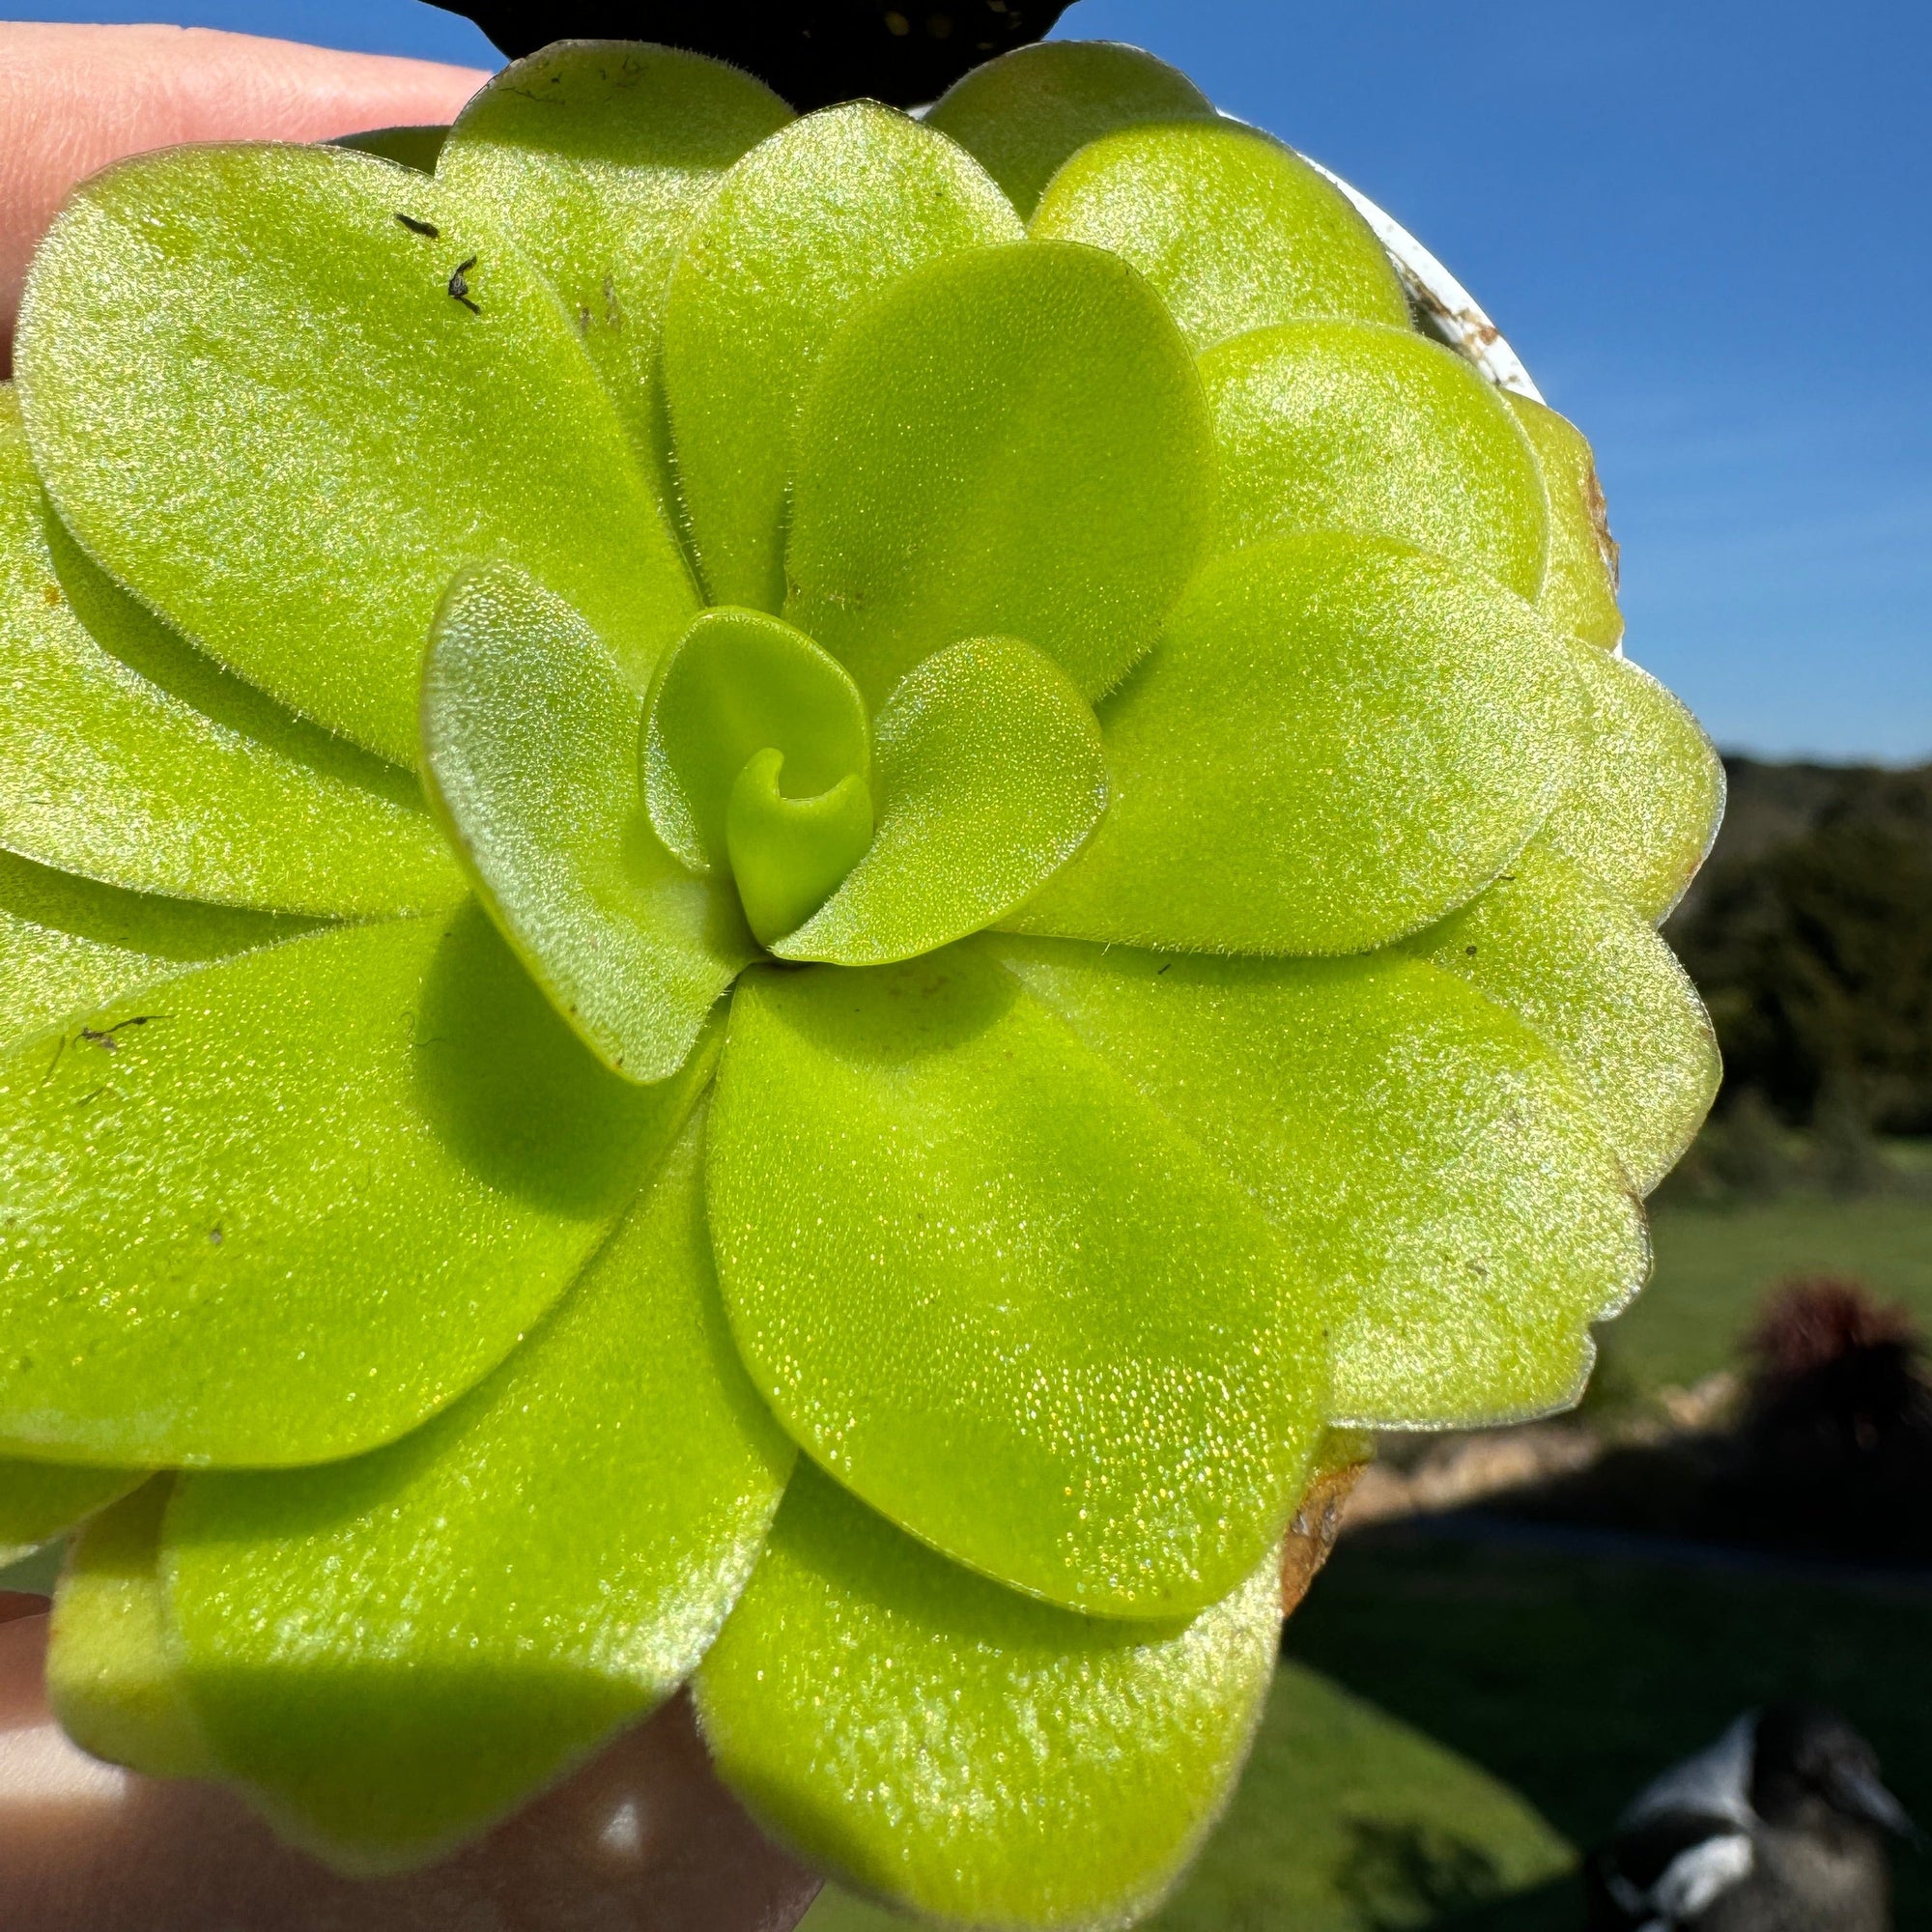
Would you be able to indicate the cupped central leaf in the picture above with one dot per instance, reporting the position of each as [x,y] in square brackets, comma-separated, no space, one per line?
[984,1282]
[529,733]
[788,854]
[738,683]
[991,775]
[284,394]
[1011,442]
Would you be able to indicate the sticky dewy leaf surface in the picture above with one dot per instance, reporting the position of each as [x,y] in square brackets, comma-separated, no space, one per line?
[1357,426]
[68,945]
[984,1282]
[1235,230]
[1430,1161]
[593,157]
[990,776]
[1643,805]
[1338,740]
[988,1760]
[530,734]
[1025,113]
[337,434]
[113,1668]
[393,1651]
[1012,442]
[282,1208]
[813,223]
[105,772]
[1597,982]
[40,1501]
[1580,593]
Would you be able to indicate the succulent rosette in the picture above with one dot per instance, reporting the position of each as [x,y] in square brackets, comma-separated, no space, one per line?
[779,894]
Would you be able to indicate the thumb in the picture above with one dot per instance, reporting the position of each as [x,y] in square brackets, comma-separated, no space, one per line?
[73,98]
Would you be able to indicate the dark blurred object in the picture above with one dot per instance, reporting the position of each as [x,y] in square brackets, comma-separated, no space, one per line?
[1809,934]
[1829,1454]
[1837,1435]
[1780,1826]
[812,54]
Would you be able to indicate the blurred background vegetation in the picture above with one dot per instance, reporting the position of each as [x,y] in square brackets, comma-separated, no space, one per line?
[1518,1629]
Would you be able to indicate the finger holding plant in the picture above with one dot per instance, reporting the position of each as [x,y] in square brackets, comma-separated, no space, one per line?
[780,893]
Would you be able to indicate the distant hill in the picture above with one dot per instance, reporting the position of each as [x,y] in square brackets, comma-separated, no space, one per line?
[1809,933]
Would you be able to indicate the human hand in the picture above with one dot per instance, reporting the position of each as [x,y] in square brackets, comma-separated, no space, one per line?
[645,1835]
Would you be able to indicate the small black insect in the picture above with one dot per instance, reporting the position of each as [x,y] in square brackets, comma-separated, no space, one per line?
[459,286]
[416,227]
[104,1039]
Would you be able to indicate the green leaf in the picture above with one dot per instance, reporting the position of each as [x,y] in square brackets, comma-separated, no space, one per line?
[1338,740]
[593,157]
[1421,1151]
[1012,442]
[967,1753]
[989,1288]
[805,230]
[789,854]
[390,1652]
[281,1210]
[1234,230]
[411,147]
[113,1665]
[1594,980]
[69,946]
[254,397]
[991,778]
[1356,426]
[1580,592]
[735,684]
[1648,793]
[530,732]
[40,1501]
[1023,114]
[104,771]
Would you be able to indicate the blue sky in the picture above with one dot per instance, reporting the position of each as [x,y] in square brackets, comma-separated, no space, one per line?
[1704,227]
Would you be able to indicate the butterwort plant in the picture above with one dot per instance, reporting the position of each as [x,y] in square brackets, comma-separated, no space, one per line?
[781,897]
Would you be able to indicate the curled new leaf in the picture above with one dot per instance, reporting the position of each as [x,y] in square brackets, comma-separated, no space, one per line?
[113,1670]
[990,776]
